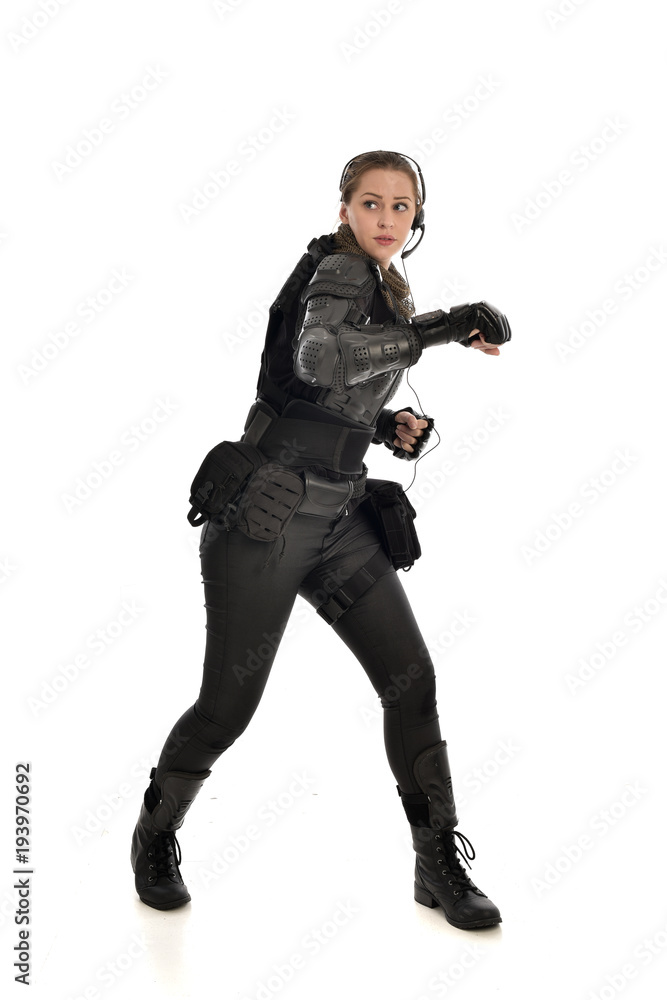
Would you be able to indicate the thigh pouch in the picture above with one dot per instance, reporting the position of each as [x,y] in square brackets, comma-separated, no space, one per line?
[395,516]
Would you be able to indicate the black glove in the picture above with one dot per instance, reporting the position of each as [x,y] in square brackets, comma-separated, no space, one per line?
[491,322]
[386,432]
[439,327]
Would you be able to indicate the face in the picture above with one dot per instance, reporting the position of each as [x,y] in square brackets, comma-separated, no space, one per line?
[380,212]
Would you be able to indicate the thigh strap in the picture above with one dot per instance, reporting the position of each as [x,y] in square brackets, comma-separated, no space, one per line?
[361,581]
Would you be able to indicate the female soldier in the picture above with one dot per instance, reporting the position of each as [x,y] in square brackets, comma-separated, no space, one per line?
[306,521]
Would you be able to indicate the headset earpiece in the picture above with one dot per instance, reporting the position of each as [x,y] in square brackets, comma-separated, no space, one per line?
[418,219]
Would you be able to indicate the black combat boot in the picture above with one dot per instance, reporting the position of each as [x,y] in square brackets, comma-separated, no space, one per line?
[440,879]
[155,854]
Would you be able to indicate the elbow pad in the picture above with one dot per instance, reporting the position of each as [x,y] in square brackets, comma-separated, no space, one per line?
[333,349]
[376,349]
[354,355]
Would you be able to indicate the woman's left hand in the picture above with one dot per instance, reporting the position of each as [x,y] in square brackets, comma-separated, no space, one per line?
[408,429]
[483,345]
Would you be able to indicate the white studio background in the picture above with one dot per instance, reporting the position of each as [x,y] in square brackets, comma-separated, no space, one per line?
[135,296]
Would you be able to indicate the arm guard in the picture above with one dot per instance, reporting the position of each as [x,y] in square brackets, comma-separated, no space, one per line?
[386,432]
[439,327]
[334,346]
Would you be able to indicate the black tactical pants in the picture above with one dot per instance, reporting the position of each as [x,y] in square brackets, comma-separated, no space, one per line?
[250,589]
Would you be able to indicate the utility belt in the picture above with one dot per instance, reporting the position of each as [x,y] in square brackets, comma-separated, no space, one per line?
[240,488]
[305,434]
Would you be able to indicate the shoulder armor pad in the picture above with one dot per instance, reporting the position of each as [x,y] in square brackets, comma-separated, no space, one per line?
[344,274]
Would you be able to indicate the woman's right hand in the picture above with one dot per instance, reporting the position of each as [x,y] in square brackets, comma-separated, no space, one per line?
[481,344]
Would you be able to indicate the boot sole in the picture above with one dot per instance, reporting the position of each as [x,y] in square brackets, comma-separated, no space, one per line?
[426,898]
[166,906]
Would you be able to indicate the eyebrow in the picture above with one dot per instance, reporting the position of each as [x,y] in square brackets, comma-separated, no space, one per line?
[399,197]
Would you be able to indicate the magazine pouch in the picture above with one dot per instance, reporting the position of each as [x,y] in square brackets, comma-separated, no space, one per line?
[395,518]
[269,502]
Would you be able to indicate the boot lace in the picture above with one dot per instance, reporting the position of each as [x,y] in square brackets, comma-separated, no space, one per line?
[165,856]
[458,875]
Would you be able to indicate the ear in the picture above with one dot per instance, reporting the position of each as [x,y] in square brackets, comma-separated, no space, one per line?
[342,215]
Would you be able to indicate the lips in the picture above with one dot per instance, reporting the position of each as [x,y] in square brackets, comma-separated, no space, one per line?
[384,240]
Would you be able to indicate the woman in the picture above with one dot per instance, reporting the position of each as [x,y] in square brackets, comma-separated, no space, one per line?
[341,333]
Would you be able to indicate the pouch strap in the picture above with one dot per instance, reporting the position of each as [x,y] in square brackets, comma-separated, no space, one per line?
[352,589]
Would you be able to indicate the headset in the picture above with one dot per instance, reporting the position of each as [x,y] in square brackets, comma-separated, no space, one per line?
[418,221]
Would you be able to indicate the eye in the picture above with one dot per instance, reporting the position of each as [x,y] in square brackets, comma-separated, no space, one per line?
[369,203]
[402,205]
